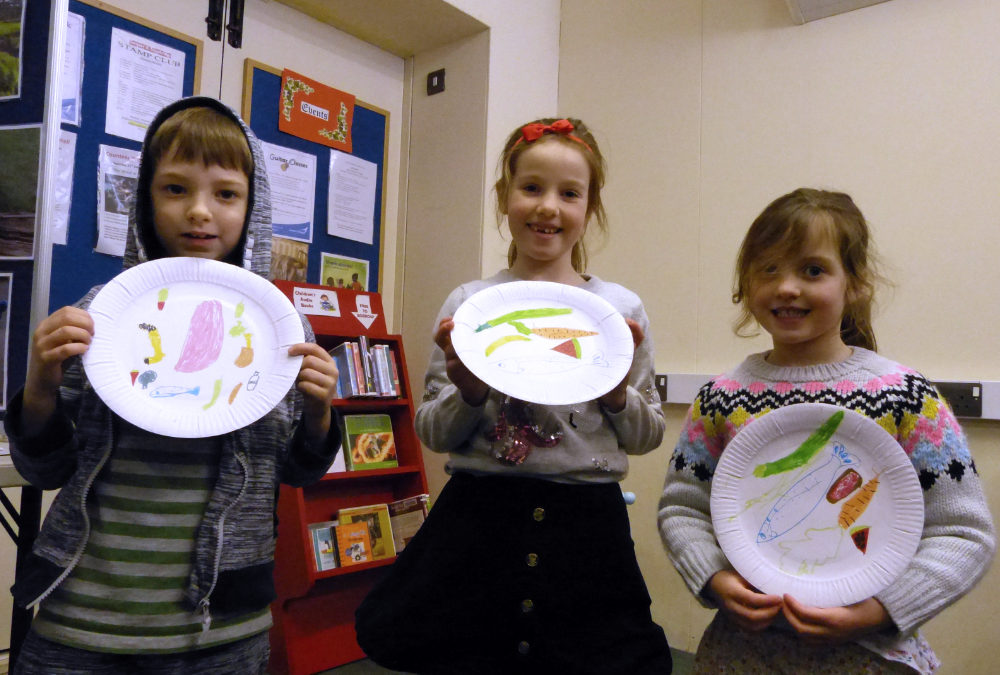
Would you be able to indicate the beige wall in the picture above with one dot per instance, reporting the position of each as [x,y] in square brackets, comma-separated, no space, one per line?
[462,243]
[709,109]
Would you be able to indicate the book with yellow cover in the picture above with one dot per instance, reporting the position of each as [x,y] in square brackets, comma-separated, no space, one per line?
[376,518]
[353,543]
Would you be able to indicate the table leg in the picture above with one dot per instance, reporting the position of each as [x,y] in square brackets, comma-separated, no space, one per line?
[30,517]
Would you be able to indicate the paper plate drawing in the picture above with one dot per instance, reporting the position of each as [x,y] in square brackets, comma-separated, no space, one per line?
[543,342]
[818,502]
[189,348]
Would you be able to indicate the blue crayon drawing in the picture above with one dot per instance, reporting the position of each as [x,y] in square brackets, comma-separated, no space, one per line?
[147,378]
[803,496]
[174,390]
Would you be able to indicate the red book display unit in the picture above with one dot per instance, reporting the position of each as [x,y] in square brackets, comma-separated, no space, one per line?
[314,612]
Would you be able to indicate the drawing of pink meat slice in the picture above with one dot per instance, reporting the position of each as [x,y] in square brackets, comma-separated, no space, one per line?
[203,343]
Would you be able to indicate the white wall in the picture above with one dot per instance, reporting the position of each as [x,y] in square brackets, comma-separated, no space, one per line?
[709,110]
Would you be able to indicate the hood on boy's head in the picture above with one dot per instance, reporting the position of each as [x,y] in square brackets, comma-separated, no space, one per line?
[255,245]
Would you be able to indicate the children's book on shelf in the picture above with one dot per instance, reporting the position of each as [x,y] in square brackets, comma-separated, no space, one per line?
[367,366]
[406,516]
[324,544]
[369,442]
[365,369]
[347,382]
[353,543]
[376,517]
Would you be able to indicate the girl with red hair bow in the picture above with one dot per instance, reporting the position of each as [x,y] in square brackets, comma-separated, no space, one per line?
[525,563]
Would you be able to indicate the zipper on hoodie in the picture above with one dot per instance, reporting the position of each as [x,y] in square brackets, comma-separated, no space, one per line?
[86,526]
[204,604]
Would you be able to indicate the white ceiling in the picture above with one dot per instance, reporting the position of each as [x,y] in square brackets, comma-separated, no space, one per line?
[401,27]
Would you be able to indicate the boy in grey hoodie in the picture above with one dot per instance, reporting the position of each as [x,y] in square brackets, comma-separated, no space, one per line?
[157,550]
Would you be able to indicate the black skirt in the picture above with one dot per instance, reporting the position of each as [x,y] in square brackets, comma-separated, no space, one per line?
[516,575]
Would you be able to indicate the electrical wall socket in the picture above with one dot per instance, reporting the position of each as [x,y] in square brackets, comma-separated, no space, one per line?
[660,382]
[965,398]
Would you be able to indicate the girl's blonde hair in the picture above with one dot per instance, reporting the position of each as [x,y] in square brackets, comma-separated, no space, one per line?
[785,226]
[580,138]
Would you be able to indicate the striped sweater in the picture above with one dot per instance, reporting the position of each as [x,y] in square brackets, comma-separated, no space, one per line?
[958,540]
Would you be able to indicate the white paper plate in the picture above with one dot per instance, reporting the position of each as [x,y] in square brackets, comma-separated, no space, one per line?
[509,337]
[187,347]
[781,531]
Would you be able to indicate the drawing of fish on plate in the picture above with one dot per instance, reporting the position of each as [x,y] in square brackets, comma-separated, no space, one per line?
[821,497]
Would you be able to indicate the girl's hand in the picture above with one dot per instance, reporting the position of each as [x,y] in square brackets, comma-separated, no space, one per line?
[614,400]
[65,333]
[834,625]
[317,380]
[473,390]
[749,609]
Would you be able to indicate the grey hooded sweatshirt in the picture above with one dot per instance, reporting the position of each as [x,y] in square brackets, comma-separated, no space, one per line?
[232,571]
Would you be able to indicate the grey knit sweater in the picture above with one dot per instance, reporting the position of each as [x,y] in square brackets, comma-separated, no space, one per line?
[595,443]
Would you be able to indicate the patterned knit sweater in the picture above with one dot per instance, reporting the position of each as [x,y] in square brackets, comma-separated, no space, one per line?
[958,538]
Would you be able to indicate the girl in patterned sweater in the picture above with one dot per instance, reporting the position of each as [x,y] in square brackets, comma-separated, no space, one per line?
[805,274]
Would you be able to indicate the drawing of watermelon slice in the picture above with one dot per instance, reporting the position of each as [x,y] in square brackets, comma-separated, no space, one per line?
[859,535]
[570,347]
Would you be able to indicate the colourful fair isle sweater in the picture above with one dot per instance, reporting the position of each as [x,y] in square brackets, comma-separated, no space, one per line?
[958,537]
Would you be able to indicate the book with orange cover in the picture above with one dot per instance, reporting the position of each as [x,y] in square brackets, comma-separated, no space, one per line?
[353,543]
[376,518]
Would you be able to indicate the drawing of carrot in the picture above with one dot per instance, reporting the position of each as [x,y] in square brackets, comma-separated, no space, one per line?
[517,315]
[856,505]
[245,357]
[801,455]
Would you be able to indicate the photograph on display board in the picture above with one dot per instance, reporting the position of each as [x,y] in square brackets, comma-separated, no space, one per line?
[289,259]
[344,272]
[5,286]
[11,26]
[19,147]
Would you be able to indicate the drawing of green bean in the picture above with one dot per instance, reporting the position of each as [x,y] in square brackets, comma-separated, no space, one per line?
[215,395]
[504,340]
[539,313]
[801,455]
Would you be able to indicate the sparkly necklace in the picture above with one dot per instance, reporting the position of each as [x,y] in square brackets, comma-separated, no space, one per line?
[516,434]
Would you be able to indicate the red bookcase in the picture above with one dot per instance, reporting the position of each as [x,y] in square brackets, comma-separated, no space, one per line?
[314,612]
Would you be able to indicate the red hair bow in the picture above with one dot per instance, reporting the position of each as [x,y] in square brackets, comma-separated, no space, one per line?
[563,127]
